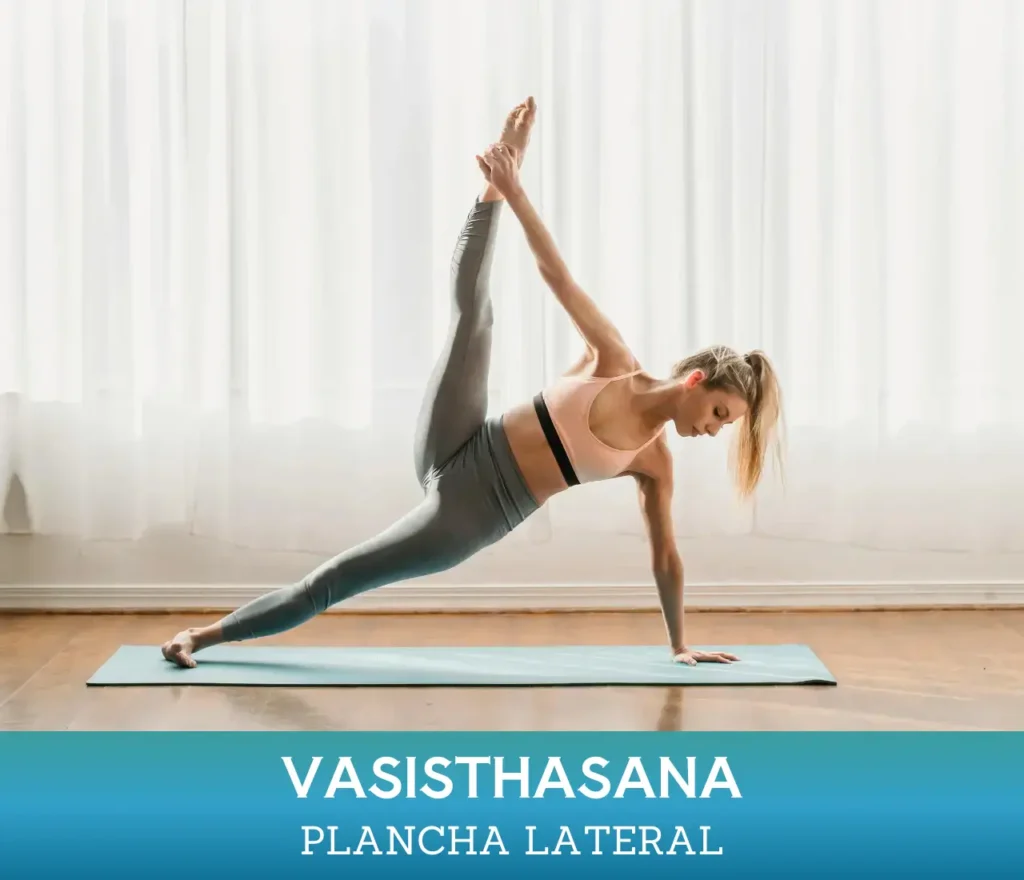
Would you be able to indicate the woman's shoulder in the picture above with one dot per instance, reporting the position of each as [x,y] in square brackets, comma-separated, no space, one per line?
[604,365]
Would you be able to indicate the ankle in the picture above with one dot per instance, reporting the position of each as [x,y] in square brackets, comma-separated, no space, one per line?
[491,194]
[203,638]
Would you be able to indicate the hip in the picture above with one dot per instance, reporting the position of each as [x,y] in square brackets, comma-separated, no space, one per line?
[484,479]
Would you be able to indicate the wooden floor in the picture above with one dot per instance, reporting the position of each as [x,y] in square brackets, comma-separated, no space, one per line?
[896,670]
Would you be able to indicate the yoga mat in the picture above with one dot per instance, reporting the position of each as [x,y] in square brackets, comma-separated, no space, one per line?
[286,666]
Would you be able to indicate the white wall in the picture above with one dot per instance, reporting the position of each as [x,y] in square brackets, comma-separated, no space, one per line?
[181,559]
[530,558]
[230,322]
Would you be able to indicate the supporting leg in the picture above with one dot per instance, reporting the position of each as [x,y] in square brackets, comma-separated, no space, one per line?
[432,537]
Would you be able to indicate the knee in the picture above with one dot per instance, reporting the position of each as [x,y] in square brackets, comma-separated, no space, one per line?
[317,592]
[484,310]
[474,306]
[336,580]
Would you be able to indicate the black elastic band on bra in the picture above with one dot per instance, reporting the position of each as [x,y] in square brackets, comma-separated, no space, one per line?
[554,441]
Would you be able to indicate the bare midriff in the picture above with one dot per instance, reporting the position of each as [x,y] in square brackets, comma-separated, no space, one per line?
[532,453]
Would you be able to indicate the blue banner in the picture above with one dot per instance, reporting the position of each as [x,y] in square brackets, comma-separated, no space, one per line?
[453,805]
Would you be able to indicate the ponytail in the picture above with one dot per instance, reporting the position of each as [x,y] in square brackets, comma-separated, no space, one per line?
[761,427]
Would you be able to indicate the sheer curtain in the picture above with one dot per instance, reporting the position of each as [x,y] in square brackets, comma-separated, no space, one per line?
[226,225]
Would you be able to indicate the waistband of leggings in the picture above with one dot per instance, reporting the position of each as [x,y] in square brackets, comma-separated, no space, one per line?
[512,478]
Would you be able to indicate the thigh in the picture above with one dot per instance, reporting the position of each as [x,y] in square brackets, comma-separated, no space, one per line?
[455,399]
[437,535]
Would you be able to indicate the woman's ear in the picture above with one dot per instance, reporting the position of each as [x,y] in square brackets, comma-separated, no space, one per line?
[694,378]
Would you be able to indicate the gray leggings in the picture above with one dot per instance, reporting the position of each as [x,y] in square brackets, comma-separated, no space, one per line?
[473,491]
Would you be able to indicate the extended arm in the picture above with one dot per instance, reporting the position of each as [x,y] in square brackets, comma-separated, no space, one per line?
[654,487]
[600,335]
[655,496]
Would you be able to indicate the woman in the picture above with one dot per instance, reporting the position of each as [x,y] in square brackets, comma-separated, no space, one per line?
[482,477]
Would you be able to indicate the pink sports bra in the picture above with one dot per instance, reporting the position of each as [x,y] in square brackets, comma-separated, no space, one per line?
[564,410]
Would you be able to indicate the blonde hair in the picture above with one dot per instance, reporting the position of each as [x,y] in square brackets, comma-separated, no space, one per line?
[752,377]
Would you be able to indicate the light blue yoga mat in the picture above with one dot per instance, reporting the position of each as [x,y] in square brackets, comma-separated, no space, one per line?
[286,666]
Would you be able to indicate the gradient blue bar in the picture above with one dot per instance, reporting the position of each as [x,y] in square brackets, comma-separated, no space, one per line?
[812,805]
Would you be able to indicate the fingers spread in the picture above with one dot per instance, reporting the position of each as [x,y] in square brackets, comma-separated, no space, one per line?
[715,657]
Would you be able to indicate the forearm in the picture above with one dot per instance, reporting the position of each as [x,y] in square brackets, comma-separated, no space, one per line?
[669,579]
[539,239]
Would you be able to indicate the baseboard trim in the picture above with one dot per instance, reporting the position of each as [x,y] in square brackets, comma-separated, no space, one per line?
[437,598]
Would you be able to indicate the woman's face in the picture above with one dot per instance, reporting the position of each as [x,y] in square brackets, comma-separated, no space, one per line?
[704,411]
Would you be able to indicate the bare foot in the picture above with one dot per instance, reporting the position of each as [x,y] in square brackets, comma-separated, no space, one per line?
[179,649]
[518,126]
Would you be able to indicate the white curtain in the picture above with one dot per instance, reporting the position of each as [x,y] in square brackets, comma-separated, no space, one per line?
[225,231]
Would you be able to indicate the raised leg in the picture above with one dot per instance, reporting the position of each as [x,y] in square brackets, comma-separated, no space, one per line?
[455,403]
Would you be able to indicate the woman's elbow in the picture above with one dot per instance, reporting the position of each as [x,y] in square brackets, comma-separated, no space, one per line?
[557,277]
[667,563]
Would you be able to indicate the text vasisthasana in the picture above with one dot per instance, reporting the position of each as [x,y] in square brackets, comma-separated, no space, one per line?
[499,777]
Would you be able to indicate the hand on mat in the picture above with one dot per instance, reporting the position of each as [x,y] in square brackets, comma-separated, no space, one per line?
[692,658]
[500,165]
